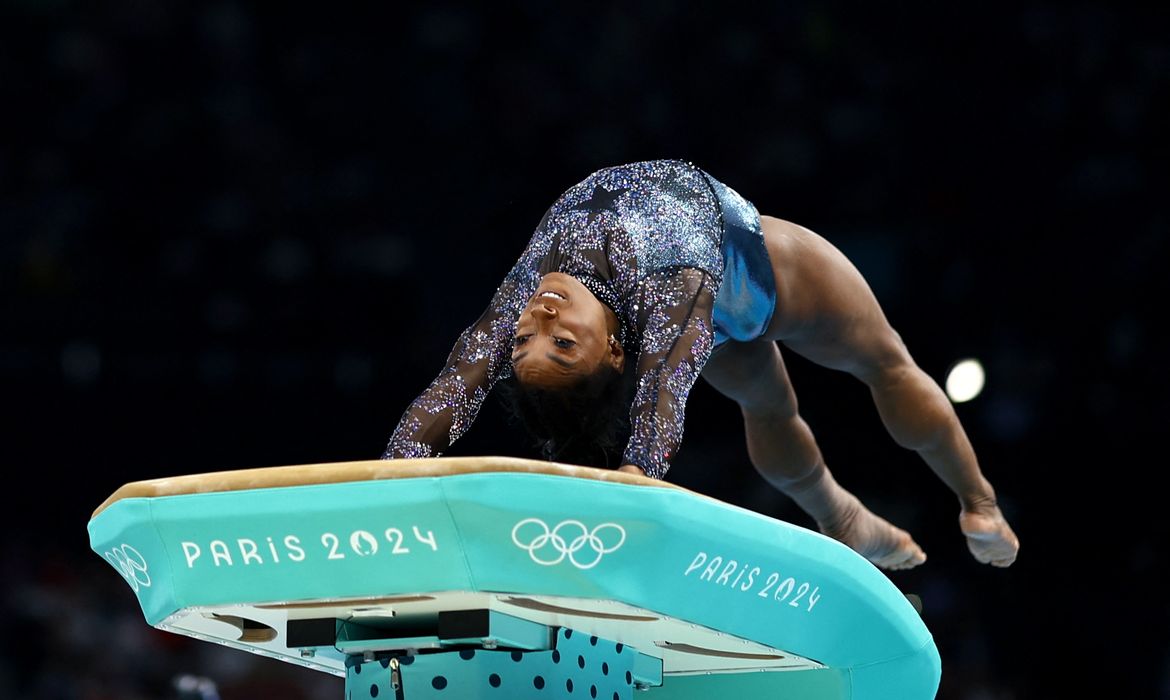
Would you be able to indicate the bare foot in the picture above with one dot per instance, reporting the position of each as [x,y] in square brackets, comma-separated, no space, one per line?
[874,538]
[989,537]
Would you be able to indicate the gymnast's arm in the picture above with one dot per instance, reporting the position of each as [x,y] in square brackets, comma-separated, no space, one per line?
[827,312]
[674,325]
[479,358]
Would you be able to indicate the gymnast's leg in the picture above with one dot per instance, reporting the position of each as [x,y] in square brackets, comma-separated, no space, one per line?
[783,450]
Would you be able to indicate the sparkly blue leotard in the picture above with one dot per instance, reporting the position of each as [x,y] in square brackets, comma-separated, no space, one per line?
[677,255]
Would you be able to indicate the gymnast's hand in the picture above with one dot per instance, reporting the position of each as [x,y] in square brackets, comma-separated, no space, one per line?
[631,469]
[989,537]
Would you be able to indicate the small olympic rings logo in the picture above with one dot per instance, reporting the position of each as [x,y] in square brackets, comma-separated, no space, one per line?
[131,565]
[549,547]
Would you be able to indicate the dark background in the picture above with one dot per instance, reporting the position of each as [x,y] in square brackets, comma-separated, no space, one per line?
[236,236]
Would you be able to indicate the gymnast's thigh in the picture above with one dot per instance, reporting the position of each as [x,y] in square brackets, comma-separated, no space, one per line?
[752,374]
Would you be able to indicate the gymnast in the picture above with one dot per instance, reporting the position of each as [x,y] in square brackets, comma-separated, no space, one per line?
[645,276]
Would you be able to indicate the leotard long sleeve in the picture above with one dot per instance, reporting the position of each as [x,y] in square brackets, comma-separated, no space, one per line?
[645,239]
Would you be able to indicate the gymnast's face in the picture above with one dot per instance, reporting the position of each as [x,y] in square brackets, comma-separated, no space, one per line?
[562,335]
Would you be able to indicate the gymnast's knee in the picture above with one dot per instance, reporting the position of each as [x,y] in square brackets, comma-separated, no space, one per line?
[768,406]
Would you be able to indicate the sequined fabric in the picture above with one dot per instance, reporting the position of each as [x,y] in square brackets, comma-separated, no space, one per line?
[645,238]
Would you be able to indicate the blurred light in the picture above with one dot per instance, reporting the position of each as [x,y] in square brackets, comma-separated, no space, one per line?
[1008,418]
[965,380]
[181,258]
[353,372]
[81,362]
[287,369]
[380,254]
[224,312]
[191,687]
[287,260]
[218,367]
[225,213]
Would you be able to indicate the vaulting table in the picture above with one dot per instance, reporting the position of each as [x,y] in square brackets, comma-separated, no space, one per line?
[496,577]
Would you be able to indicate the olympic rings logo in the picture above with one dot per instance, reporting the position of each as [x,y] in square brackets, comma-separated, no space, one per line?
[131,565]
[549,547]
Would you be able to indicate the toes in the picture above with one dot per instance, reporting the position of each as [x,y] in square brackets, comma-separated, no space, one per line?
[901,560]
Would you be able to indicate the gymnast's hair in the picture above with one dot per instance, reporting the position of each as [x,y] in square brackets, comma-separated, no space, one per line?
[585,424]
